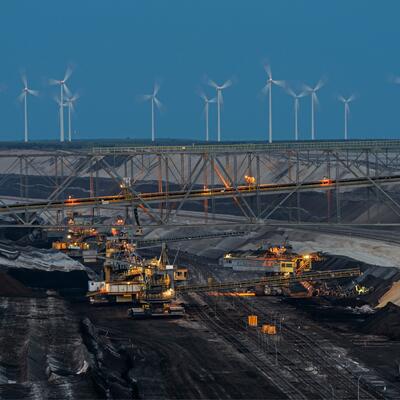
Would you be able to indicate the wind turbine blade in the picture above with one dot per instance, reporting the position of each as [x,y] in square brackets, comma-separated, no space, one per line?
[158,103]
[54,82]
[352,98]
[144,97]
[302,94]
[315,97]
[319,85]
[279,83]
[341,98]
[267,68]
[203,96]
[156,89]
[68,73]
[213,100]
[212,83]
[67,91]
[290,91]
[227,84]
[307,88]
[22,96]
[74,97]
[33,92]
[265,89]
[24,80]
[57,100]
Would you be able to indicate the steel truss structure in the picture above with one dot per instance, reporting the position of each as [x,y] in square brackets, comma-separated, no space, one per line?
[241,183]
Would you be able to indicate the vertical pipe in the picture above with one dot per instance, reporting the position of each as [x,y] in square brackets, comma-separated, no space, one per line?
[212,172]
[297,183]
[166,184]
[96,188]
[91,187]
[378,194]
[21,181]
[26,178]
[338,210]
[368,189]
[62,194]
[182,169]
[160,185]
[235,171]
[329,191]
[189,178]
[205,188]
[56,183]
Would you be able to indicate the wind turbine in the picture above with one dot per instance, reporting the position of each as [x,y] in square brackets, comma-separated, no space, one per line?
[154,103]
[207,103]
[296,97]
[346,111]
[63,91]
[314,102]
[69,103]
[268,90]
[220,100]
[24,97]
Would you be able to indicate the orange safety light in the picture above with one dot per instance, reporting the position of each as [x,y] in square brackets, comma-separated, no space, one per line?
[250,180]
[326,181]
[252,320]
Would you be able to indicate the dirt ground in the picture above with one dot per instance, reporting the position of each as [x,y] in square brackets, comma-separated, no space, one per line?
[180,359]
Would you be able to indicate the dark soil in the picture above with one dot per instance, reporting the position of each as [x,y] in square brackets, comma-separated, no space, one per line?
[385,321]
[10,287]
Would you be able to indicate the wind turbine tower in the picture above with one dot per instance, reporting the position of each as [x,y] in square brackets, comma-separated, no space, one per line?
[70,105]
[63,91]
[220,100]
[154,103]
[24,97]
[346,112]
[296,98]
[268,90]
[207,102]
[314,103]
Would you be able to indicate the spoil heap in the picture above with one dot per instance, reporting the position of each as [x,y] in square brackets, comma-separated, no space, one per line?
[385,321]
[10,287]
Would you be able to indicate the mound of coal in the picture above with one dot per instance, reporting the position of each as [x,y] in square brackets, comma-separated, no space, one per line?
[57,280]
[385,321]
[11,287]
[110,366]
[42,351]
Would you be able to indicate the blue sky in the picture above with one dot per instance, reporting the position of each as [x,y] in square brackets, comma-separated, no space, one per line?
[120,47]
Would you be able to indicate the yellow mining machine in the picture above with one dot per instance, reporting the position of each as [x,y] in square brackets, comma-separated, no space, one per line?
[149,285]
[76,239]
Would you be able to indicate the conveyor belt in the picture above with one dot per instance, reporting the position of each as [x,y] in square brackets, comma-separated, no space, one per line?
[272,281]
[197,194]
